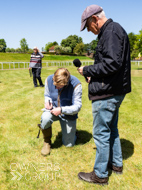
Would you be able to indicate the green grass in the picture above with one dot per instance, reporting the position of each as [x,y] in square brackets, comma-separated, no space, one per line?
[19,57]
[20,111]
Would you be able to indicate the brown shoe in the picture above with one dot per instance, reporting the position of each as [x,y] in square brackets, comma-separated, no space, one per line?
[46,149]
[115,169]
[92,178]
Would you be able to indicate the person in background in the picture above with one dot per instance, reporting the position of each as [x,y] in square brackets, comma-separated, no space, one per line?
[110,81]
[36,65]
[63,93]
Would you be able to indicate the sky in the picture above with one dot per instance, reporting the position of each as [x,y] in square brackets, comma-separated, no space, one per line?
[43,21]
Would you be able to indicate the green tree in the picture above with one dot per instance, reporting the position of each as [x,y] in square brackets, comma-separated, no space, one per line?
[138,42]
[2,45]
[60,49]
[49,45]
[71,41]
[12,50]
[87,47]
[93,45]
[18,50]
[135,44]
[132,39]
[30,50]
[68,50]
[134,54]
[24,45]
[79,49]
[8,49]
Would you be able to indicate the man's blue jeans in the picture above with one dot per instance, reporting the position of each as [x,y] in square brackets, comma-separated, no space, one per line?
[68,127]
[105,134]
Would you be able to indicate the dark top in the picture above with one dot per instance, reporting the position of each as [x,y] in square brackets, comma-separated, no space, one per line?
[110,74]
[63,96]
[35,61]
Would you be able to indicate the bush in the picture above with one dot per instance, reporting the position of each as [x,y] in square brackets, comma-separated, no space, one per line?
[30,51]
[62,50]
[8,50]
[79,49]
[50,53]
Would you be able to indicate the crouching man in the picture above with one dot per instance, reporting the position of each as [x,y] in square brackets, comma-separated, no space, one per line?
[63,93]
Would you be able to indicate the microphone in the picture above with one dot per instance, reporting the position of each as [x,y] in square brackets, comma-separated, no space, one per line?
[77,63]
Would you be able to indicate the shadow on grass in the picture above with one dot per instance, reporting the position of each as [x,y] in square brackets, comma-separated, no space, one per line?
[82,138]
[127,148]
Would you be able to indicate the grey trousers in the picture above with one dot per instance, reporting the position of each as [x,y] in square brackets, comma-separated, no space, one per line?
[68,127]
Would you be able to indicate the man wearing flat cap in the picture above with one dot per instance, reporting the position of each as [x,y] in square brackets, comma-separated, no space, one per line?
[110,81]
[36,65]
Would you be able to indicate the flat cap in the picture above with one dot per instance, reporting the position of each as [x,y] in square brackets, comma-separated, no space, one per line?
[89,11]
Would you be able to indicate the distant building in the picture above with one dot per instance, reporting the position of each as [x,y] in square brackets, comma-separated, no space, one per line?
[52,50]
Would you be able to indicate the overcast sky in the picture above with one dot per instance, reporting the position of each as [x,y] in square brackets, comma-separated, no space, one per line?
[43,21]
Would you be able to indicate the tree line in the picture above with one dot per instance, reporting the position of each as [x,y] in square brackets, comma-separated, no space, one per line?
[71,45]
[135,44]
[74,45]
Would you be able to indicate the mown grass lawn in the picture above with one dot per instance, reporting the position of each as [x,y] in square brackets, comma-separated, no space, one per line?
[21,57]
[21,165]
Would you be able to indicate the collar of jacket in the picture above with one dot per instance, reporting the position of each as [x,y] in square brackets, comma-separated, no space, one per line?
[104,27]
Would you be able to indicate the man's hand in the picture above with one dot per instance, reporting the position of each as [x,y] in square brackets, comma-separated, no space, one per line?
[56,111]
[88,79]
[30,68]
[48,105]
[80,70]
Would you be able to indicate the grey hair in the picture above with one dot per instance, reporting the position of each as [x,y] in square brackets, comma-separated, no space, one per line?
[101,14]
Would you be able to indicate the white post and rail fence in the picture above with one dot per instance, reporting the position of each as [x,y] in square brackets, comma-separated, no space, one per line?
[25,65]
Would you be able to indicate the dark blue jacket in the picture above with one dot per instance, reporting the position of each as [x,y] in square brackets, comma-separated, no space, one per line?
[63,97]
[110,74]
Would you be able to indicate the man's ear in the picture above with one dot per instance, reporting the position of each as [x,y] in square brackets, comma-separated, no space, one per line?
[95,18]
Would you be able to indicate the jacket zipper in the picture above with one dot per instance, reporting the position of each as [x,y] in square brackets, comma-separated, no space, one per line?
[102,83]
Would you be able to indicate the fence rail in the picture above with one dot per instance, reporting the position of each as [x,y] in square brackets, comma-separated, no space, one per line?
[24,65]
[137,62]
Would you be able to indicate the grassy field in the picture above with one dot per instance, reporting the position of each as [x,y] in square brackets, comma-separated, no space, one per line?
[21,165]
[17,60]
[19,57]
